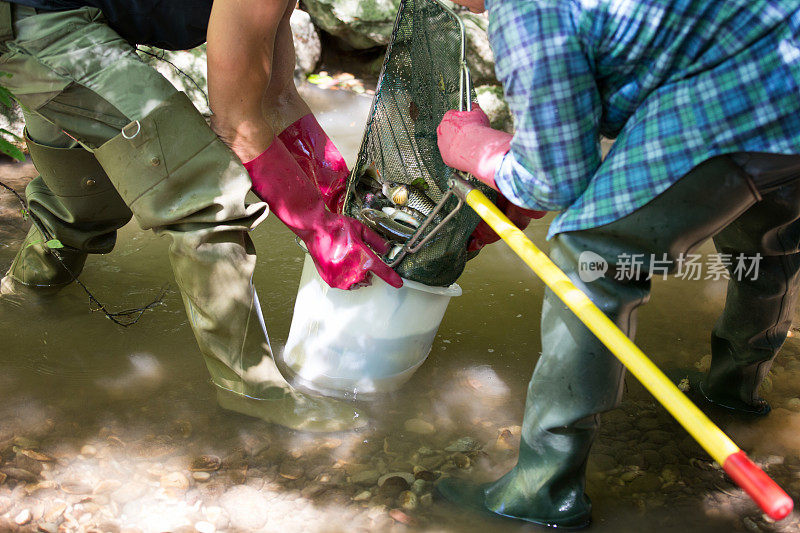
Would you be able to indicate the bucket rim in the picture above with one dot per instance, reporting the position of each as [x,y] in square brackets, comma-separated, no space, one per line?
[451,291]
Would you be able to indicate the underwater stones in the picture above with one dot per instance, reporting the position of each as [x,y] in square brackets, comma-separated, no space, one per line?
[20,474]
[201,477]
[204,527]
[419,426]
[407,477]
[647,423]
[394,486]
[603,462]
[793,404]
[87,450]
[464,444]
[461,460]
[408,500]
[645,483]
[174,482]
[419,486]
[362,496]
[399,516]
[365,477]
[205,463]
[246,507]
[24,517]
[291,470]
[423,474]
[33,454]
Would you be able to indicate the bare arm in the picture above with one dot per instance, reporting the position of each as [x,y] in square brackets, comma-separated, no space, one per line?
[241,45]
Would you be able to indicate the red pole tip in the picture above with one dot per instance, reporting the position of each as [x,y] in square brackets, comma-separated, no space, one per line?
[758,485]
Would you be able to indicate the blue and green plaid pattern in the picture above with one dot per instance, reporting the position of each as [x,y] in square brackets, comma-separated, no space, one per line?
[674,81]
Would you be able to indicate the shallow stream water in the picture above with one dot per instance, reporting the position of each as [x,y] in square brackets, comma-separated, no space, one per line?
[128,414]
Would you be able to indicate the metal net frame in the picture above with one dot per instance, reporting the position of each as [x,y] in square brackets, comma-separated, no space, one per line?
[423,76]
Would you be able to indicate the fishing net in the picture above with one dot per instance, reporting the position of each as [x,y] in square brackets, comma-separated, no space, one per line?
[399,175]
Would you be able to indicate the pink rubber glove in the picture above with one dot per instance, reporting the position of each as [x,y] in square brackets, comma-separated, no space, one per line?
[468,143]
[336,243]
[319,158]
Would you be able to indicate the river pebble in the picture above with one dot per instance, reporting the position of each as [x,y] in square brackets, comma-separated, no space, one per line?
[246,507]
[408,500]
[464,444]
[419,426]
[87,450]
[201,477]
[23,517]
[365,477]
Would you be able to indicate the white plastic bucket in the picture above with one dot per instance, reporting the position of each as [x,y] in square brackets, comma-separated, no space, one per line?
[364,341]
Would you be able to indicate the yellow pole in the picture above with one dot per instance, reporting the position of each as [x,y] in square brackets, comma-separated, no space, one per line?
[763,490]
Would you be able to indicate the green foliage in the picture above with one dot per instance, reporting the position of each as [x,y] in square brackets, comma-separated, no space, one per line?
[6,145]
[53,244]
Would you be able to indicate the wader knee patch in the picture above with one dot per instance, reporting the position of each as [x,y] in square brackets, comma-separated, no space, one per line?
[170,167]
[80,184]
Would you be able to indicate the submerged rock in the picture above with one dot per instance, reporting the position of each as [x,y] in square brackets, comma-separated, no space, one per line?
[246,507]
[419,426]
[23,517]
[408,500]
[205,463]
[464,444]
[407,477]
[365,477]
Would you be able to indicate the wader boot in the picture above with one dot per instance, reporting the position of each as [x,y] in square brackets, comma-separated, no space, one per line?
[759,306]
[577,378]
[75,203]
[181,180]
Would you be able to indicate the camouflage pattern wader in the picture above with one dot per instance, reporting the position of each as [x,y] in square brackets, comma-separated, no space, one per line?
[111,139]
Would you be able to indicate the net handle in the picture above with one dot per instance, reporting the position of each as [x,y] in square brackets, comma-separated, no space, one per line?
[465,78]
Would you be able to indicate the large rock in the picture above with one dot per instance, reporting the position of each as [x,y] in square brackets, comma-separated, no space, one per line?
[490,98]
[307,46]
[369,23]
[186,70]
[479,54]
[361,24]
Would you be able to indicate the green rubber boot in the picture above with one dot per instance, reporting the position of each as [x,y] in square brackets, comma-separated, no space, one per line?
[75,203]
[577,378]
[181,180]
[760,305]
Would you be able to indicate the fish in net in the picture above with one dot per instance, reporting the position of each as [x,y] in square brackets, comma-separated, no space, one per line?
[399,177]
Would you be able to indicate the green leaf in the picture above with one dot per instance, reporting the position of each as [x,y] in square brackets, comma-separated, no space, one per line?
[6,98]
[11,150]
[54,243]
[14,135]
[317,79]
[25,214]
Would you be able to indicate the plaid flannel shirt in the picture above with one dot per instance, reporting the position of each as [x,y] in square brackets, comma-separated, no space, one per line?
[674,81]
